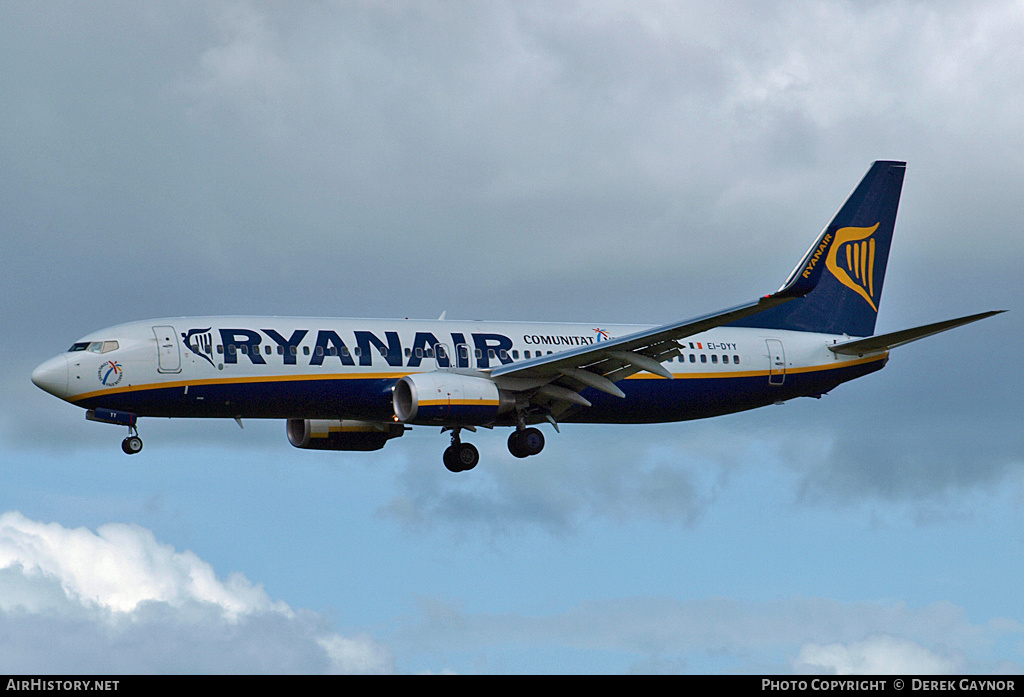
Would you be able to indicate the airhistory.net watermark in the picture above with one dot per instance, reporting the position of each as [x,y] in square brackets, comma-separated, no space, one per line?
[62,685]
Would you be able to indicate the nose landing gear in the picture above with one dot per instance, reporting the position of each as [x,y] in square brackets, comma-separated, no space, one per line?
[132,444]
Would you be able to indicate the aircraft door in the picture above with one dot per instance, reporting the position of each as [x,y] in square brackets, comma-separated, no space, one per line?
[776,362]
[168,350]
[442,356]
[462,355]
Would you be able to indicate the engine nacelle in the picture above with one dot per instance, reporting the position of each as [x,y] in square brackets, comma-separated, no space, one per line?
[332,434]
[443,398]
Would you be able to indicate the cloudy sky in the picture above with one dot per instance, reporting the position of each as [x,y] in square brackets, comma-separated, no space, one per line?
[605,162]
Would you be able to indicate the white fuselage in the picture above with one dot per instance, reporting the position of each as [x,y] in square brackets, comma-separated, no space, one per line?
[275,367]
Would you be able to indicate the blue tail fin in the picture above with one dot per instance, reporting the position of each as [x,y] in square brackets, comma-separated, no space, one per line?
[855,247]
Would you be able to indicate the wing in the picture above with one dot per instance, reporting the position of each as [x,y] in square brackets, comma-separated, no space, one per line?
[555,381]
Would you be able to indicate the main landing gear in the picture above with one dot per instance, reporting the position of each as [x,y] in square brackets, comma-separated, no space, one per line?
[459,456]
[526,442]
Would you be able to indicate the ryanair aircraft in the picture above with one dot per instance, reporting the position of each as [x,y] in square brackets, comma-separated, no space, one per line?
[354,384]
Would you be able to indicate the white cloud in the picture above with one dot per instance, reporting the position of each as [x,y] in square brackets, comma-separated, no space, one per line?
[878,655]
[117,598]
[121,566]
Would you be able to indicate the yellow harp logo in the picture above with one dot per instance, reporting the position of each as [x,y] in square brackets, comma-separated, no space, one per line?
[852,260]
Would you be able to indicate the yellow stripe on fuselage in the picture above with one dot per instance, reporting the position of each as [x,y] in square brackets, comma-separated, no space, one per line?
[252,379]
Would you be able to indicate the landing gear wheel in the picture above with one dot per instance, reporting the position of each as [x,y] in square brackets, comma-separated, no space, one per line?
[131,445]
[514,445]
[460,457]
[525,443]
[532,440]
[469,456]
[450,461]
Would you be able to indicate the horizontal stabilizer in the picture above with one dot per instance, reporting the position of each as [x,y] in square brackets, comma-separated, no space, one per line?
[884,342]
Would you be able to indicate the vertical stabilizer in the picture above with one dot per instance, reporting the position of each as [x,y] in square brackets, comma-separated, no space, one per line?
[855,249]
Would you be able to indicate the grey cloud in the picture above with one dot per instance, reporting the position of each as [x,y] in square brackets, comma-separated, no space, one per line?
[633,479]
[612,164]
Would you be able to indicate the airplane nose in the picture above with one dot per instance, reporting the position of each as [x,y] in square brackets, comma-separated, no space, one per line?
[52,376]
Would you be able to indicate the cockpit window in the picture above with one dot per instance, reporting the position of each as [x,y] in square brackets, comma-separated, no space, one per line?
[94,346]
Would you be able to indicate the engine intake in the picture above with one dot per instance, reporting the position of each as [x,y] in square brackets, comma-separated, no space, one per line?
[346,434]
[443,398]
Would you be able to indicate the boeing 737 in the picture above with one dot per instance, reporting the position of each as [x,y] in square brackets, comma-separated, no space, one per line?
[354,384]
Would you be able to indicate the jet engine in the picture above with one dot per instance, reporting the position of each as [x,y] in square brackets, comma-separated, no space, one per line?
[441,398]
[346,434]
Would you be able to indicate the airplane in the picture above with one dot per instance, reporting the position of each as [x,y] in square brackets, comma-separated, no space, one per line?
[354,384]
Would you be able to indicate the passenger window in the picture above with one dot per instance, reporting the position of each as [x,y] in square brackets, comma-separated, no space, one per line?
[703,358]
[714,358]
[220,349]
[515,355]
[736,360]
[693,358]
[725,359]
